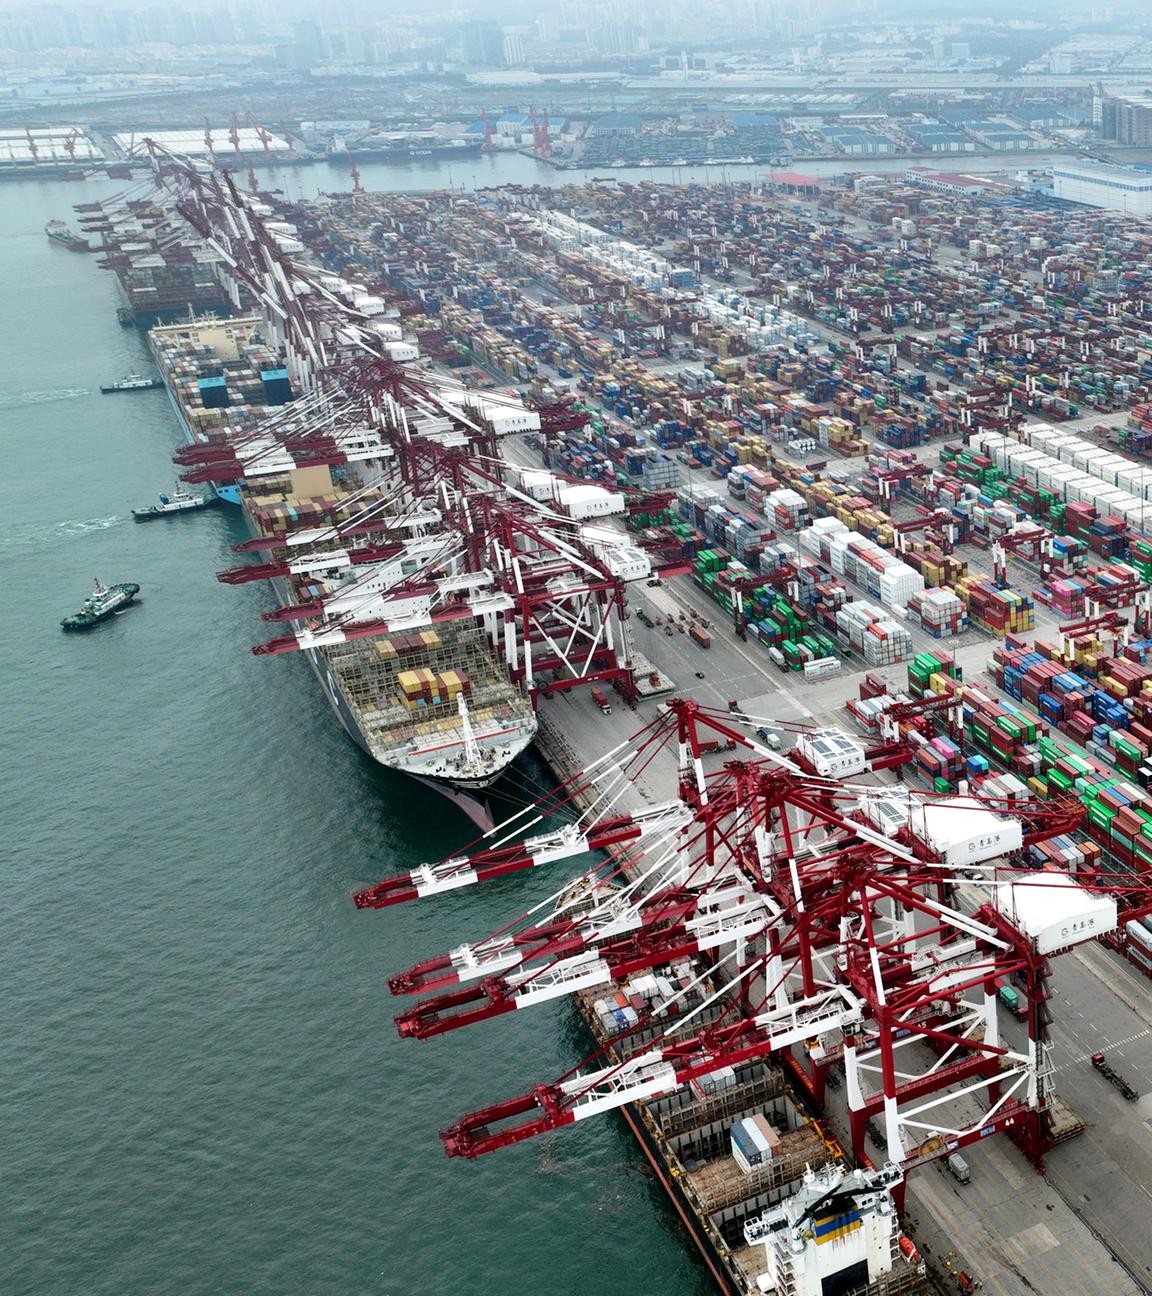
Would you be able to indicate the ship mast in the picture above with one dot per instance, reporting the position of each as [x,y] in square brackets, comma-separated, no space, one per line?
[471,747]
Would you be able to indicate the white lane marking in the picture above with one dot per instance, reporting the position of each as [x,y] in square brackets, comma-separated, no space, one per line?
[1104,1047]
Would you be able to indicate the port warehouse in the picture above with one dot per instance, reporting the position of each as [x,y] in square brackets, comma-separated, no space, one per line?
[979,493]
[49,146]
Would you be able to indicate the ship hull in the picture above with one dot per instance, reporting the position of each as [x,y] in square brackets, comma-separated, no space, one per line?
[467,795]
[229,494]
[90,621]
[684,1207]
[404,155]
[691,1221]
[467,798]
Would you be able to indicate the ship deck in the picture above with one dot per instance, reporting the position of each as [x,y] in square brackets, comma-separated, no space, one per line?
[721,1184]
[369,681]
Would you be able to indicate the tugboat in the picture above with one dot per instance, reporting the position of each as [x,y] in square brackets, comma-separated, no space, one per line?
[127,316]
[102,603]
[62,236]
[134,382]
[180,501]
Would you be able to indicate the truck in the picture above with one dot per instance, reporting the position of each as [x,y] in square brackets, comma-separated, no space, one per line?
[768,738]
[709,745]
[1113,1077]
[701,637]
[958,1168]
[1012,1001]
[601,700]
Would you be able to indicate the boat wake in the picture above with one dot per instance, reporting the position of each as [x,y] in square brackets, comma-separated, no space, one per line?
[82,526]
[20,400]
[40,538]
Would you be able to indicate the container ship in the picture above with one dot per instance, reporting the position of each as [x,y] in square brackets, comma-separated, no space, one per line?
[761,1187]
[435,703]
[437,599]
[162,273]
[742,1161]
[401,148]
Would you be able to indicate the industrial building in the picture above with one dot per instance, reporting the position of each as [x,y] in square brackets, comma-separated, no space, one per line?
[1111,187]
[249,141]
[935,138]
[47,146]
[1125,118]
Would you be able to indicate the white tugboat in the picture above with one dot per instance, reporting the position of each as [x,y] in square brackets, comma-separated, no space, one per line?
[180,501]
[133,382]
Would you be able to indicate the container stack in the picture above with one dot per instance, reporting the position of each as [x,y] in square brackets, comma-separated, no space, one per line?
[1064,597]
[754,1142]
[1097,479]
[878,571]
[941,763]
[616,1014]
[938,612]
[659,470]
[1111,717]
[1005,733]
[421,688]
[880,641]
[1067,855]
[1003,612]
[866,712]
[1004,788]
[786,510]
[938,569]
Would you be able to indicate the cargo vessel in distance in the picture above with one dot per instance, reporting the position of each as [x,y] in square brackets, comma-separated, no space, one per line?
[401,148]
[65,237]
[104,602]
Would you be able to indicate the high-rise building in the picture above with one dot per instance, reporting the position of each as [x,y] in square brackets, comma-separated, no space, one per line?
[513,50]
[483,43]
[1125,118]
[308,44]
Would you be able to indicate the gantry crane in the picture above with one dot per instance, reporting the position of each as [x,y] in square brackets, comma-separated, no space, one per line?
[821,911]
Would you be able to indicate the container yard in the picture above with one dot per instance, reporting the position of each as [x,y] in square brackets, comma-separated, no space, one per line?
[775,550]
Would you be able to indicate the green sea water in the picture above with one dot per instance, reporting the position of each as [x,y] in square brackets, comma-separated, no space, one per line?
[202,1091]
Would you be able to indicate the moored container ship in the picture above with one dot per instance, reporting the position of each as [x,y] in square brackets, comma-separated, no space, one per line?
[434,703]
[401,148]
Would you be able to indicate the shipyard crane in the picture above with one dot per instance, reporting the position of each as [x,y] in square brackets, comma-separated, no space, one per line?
[549,589]
[825,921]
